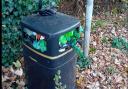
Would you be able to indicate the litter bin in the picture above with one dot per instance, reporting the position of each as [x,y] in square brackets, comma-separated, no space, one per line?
[43,54]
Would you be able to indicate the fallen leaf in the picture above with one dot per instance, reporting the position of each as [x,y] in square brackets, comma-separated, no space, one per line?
[19,72]
[4,78]
[17,64]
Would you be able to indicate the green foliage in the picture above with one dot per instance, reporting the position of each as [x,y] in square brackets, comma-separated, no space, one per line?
[104,40]
[57,81]
[83,62]
[120,43]
[68,36]
[62,40]
[92,50]
[98,23]
[115,11]
[12,12]
[72,38]
[41,45]
[110,70]
[17,64]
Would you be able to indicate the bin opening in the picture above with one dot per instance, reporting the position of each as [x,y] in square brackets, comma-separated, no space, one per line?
[65,40]
[38,41]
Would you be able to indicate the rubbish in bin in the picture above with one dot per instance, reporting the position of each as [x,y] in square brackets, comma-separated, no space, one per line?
[28,31]
[62,50]
[37,40]
[38,36]
[34,33]
[42,37]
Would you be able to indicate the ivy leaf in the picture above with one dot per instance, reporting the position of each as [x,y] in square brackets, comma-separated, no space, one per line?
[63,40]
[17,64]
[29,7]
[42,45]
[81,29]
[15,13]
[12,13]
[36,45]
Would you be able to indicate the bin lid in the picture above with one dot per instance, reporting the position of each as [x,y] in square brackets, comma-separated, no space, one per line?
[56,24]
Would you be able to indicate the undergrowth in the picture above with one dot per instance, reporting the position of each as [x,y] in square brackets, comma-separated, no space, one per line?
[120,43]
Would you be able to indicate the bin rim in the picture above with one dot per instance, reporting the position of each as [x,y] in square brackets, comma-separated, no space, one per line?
[47,56]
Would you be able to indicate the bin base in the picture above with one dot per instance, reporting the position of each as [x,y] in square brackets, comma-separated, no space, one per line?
[39,76]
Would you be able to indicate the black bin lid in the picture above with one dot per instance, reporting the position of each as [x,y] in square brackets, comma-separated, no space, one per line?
[56,24]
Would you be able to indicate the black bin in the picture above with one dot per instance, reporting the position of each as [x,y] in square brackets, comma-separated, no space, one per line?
[41,64]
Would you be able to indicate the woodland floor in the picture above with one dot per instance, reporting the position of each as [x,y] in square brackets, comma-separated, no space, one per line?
[109,69]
